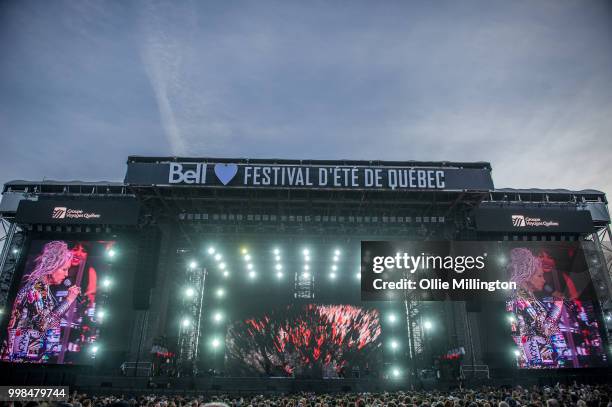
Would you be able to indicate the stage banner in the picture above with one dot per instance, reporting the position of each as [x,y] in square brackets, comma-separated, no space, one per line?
[205,174]
[533,220]
[79,212]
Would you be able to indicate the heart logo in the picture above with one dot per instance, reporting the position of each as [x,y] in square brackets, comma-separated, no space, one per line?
[225,172]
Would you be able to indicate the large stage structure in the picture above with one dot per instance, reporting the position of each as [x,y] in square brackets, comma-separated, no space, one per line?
[198,221]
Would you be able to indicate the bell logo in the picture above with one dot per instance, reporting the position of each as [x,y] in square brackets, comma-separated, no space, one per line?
[518,221]
[59,212]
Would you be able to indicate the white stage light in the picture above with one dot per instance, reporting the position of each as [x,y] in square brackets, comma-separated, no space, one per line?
[394,344]
[427,325]
[392,318]
[332,276]
[279,266]
[211,250]
[306,275]
[334,267]
[306,252]
[276,251]
[189,292]
[252,274]
[106,282]
[222,266]
[186,322]
[247,257]
[215,343]
[218,256]
[193,264]
[218,317]
[306,267]
[279,275]
[220,292]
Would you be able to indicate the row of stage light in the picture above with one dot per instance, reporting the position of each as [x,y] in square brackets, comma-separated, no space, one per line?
[278,267]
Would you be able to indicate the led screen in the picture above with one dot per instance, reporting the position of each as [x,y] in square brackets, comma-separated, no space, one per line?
[53,318]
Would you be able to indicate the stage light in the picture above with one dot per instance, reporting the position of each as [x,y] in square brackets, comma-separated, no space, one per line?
[106,282]
[332,276]
[111,253]
[358,275]
[252,274]
[193,264]
[250,266]
[336,253]
[501,260]
[394,344]
[511,318]
[220,292]
[279,266]
[217,317]
[608,318]
[244,250]
[427,324]
[307,259]
[336,258]
[305,274]
[517,353]
[276,251]
[94,349]
[211,250]
[279,275]
[189,292]
[277,258]
[15,251]
[395,372]
[306,252]
[101,314]
[392,318]
[306,267]
[215,343]
[186,322]
[247,257]
[226,274]
[222,266]
[334,267]
[218,256]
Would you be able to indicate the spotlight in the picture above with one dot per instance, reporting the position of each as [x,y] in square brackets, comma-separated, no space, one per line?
[247,257]
[222,266]
[427,325]
[15,251]
[94,349]
[306,267]
[306,275]
[337,252]
[511,318]
[306,252]
[211,250]
[218,257]
[244,250]
[395,372]
[392,318]
[307,259]
[218,317]
[220,292]
[193,264]
[252,274]
[250,266]
[106,282]
[279,275]
[332,276]
[334,267]
[394,344]
[226,274]
[111,253]
[215,343]
[517,353]
[277,258]
[186,322]
[336,258]
[358,275]
[279,266]
[189,292]
[101,314]
[276,251]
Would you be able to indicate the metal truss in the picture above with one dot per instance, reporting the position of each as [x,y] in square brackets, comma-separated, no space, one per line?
[11,240]
[304,285]
[190,327]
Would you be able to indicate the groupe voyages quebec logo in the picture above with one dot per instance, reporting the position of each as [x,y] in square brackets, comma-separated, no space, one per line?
[62,212]
[522,221]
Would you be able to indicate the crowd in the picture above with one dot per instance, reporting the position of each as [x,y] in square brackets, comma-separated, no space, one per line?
[559,395]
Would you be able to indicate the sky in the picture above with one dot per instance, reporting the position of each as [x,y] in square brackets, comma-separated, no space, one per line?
[525,85]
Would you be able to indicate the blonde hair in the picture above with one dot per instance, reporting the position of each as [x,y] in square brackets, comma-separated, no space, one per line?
[523,265]
[54,255]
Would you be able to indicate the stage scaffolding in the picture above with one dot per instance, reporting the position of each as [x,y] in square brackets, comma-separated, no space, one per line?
[190,325]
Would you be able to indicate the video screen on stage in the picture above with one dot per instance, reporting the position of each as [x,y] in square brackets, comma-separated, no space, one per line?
[305,340]
[53,318]
[553,317]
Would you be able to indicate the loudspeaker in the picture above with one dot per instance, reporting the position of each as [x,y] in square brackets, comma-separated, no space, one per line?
[149,242]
